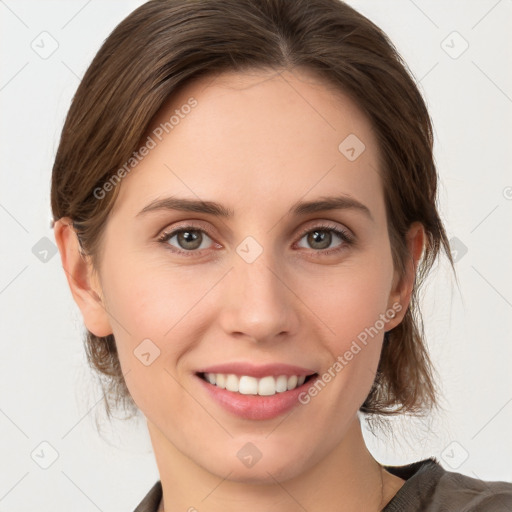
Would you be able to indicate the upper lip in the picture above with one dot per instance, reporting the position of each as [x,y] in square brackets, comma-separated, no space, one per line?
[258,371]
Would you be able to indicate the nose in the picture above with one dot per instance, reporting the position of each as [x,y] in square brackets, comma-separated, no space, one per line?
[257,301]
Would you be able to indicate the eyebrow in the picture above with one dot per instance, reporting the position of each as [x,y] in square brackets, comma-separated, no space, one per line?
[300,208]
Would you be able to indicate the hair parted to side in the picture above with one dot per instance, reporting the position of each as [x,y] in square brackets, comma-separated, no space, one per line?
[162,46]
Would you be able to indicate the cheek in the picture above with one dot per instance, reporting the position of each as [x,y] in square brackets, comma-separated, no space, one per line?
[148,299]
[354,308]
[156,314]
[352,302]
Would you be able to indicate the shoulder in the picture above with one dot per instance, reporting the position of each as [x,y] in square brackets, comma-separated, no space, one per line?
[431,488]
[469,493]
[151,501]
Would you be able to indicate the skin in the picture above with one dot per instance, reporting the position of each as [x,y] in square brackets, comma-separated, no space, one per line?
[256,142]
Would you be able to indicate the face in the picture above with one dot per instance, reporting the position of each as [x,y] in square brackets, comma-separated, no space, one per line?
[277,285]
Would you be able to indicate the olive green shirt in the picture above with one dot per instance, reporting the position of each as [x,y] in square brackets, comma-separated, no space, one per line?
[428,488]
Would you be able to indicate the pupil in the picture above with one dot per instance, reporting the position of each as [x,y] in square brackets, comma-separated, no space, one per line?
[189,239]
[324,239]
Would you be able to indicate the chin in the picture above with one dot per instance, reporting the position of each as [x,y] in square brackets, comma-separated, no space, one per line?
[260,474]
[249,466]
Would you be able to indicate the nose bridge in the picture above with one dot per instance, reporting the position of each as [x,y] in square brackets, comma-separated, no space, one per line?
[258,303]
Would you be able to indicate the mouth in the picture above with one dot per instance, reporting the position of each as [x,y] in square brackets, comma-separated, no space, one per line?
[248,385]
[255,391]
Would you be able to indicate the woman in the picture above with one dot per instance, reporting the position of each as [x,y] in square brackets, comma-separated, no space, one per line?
[244,199]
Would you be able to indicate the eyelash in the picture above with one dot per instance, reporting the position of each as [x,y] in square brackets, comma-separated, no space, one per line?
[347,238]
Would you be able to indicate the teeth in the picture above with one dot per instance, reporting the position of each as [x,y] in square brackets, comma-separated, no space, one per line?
[292,381]
[281,383]
[266,386]
[247,385]
[232,383]
[220,380]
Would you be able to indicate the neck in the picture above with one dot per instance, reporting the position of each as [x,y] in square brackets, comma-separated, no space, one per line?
[348,477]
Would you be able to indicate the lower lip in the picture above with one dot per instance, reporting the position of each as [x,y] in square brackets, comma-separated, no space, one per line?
[256,407]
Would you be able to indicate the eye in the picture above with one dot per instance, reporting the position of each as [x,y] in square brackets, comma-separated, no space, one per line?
[321,237]
[187,240]
[190,240]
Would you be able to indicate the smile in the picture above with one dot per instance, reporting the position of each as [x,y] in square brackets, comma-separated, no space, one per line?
[254,398]
[248,385]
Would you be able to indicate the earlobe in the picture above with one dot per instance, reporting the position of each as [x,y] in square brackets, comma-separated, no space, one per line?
[402,288]
[82,280]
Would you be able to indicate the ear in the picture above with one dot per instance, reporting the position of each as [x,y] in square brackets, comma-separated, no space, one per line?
[402,288]
[82,279]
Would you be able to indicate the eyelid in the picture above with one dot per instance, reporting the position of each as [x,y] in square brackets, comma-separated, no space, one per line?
[196,225]
[327,225]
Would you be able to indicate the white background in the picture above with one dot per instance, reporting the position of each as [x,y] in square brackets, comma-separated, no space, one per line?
[47,394]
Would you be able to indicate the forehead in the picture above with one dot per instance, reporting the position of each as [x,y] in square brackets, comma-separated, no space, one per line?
[255,136]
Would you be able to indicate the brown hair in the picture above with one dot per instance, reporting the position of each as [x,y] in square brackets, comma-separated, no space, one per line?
[163,45]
